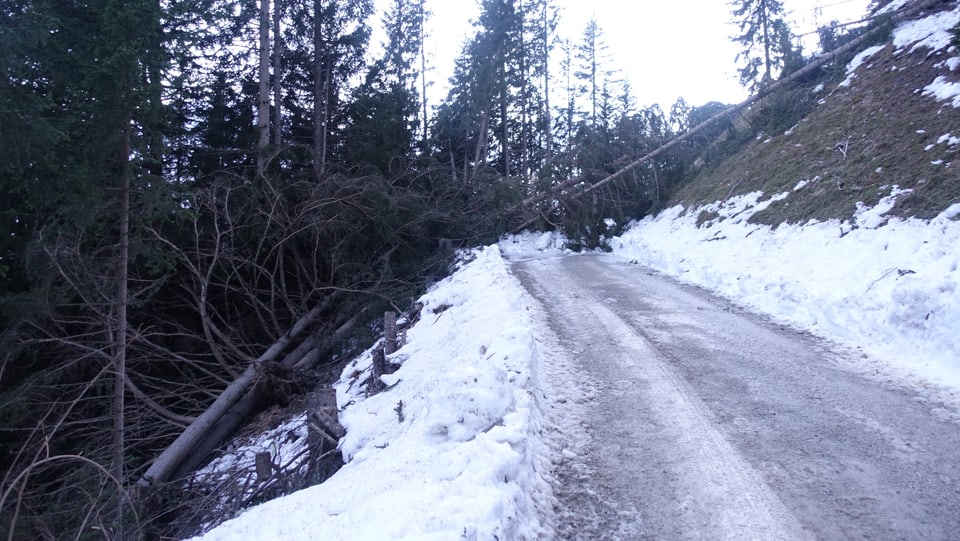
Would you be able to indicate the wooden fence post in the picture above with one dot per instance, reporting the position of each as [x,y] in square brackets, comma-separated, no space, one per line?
[378,369]
[324,433]
[389,332]
[264,467]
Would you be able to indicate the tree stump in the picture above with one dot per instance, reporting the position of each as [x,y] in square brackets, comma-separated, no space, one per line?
[264,467]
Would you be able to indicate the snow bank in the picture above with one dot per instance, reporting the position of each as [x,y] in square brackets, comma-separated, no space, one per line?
[932,32]
[886,285]
[533,245]
[451,450]
[858,60]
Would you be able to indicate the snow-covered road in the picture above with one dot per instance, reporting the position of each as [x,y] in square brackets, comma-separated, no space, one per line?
[705,422]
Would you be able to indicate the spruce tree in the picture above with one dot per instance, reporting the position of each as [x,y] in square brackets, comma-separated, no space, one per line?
[383,116]
[765,40]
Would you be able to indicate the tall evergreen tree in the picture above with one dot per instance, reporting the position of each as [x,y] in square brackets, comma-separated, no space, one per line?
[679,116]
[569,111]
[324,47]
[593,71]
[340,36]
[473,124]
[93,72]
[765,38]
[496,112]
[383,118]
[532,69]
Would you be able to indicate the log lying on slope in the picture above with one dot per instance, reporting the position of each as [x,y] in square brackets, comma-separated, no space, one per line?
[170,460]
[304,357]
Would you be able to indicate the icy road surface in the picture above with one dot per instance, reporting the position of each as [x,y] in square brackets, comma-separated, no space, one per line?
[706,422]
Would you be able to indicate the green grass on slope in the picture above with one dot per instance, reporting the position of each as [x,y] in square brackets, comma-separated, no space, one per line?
[855,145]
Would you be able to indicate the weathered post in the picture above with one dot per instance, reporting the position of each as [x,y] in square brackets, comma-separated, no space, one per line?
[325,428]
[264,467]
[324,431]
[389,332]
[378,369]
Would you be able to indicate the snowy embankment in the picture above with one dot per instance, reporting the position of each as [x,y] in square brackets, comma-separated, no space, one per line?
[452,449]
[888,286]
[455,448]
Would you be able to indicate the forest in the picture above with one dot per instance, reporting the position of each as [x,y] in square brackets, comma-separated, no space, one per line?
[208,204]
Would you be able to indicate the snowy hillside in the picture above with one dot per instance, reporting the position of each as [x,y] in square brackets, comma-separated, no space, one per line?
[452,449]
[890,290]
[457,447]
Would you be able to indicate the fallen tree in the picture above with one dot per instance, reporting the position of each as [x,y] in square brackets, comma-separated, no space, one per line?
[170,459]
[904,13]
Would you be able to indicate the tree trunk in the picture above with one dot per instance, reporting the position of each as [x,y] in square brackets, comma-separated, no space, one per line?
[173,456]
[481,151]
[238,413]
[277,45]
[765,23]
[548,120]
[525,84]
[504,132]
[263,106]
[303,357]
[321,90]
[424,134]
[120,336]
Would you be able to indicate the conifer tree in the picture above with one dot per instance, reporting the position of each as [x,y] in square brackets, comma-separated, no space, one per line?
[765,40]
[383,118]
[594,74]
[325,44]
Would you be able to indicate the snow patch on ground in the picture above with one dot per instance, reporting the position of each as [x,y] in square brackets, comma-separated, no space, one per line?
[943,90]
[893,6]
[873,217]
[858,61]
[932,32]
[286,444]
[533,245]
[949,139]
[232,478]
[886,285]
[453,448]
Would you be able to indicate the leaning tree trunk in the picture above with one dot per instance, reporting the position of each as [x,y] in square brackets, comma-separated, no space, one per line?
[897,17]
[235,416]
[303,357]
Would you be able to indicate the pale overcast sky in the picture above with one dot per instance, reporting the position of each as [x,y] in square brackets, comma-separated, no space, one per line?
[666,49]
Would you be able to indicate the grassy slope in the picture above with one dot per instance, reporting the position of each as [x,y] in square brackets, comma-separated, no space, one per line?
[886,125]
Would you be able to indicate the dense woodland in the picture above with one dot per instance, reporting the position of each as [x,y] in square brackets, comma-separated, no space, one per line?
[197,193]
